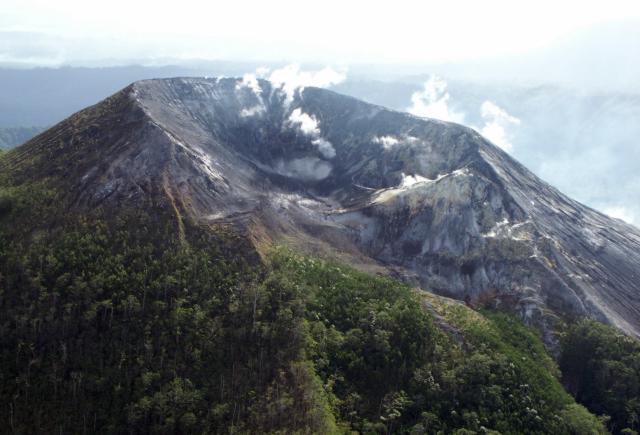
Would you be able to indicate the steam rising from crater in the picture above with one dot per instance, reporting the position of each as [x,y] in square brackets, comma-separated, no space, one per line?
[250,81]
[305,168]
[291,79]
[308,126]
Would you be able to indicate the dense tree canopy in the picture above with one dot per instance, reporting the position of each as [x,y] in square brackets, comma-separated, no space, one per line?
[128,324]
[601,368]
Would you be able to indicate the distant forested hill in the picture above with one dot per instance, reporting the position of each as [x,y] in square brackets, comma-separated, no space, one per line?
[13,136]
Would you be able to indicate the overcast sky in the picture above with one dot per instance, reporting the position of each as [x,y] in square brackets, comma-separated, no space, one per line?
[336,31]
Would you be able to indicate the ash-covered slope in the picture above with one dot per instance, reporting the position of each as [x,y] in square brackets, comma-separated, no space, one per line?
[430,201]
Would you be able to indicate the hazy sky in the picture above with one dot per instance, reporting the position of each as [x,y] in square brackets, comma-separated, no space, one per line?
[337,31]
[582,139]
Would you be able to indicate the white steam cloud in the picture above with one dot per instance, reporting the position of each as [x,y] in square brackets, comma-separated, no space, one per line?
[262,71]
[433,102]
[325,147]
[309,126]
[496,125]
[305,168]
[251,82]
[291,79]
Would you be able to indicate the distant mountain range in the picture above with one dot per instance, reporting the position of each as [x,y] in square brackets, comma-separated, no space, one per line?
[13,136]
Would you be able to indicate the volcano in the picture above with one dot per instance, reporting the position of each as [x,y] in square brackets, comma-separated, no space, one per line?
[431,202]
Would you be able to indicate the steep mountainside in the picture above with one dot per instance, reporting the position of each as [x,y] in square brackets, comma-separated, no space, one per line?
[144,287]
[428,201]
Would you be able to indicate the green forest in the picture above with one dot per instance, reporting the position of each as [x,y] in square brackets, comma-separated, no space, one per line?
[133,322]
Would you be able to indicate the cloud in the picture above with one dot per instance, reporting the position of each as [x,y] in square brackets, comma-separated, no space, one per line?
[291,79]
[28,48]
[305,168]
[433,102]
[620,212]
[250,81]
[325,147]
[496,125]
[262,71]
[308,125]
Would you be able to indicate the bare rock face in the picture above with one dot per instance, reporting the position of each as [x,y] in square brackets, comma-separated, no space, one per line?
[431,202]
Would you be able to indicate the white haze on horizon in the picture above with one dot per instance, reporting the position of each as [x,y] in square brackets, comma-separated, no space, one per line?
[404,32]
[587,46]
